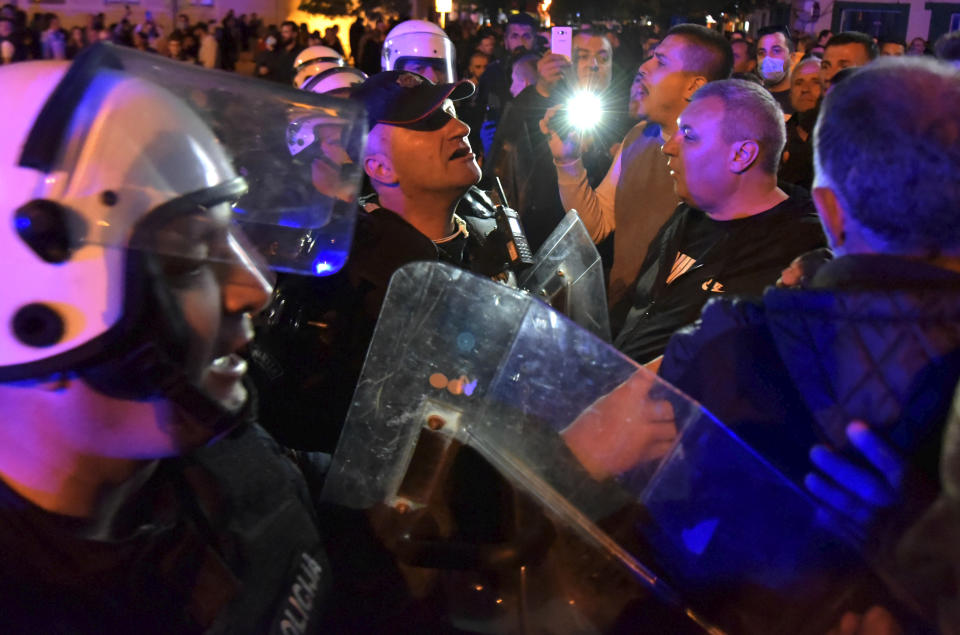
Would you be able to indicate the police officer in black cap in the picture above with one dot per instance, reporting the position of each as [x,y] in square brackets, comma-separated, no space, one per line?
[420,166]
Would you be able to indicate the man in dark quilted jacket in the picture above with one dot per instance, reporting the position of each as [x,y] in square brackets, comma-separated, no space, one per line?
[875,335]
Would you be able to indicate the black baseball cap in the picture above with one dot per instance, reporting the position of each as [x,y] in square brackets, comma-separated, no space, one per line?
[407,99]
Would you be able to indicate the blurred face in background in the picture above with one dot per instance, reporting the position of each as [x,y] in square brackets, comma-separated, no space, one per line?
[839,57]
[805,89]
[773,59]
[287,34]
[487,45]
[478,64]
[524,74]
[593,57]
[518,36]
[894,49]
[743,62]
[773,45]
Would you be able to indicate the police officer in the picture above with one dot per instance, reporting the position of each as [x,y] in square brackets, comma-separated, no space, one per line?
[127,498]
[311,347]
[421,47]
[424,48]
[314,60]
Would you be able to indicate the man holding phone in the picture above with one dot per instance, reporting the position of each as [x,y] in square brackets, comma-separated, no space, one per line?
[521,157]
[636,196]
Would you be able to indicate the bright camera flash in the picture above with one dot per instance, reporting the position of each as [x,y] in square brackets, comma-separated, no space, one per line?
[584,110]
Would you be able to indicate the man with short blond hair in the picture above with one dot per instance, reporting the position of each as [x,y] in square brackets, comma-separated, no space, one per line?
[735,229]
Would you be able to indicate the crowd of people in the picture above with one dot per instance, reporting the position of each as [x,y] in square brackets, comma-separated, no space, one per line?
[211,44]
[776,220]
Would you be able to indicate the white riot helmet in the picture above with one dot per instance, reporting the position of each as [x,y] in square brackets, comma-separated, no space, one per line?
[312,61]
[318,138]
[335,81]
[129,148]
[311,70]
[422,47]
[99,167]
[315,54]
[302,131]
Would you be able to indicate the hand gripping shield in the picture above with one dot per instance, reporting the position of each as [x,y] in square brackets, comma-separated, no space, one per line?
[647,493]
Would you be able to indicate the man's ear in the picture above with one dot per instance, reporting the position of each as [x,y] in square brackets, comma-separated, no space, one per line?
[743,154]
[832,216]
[380,169]
[693,85]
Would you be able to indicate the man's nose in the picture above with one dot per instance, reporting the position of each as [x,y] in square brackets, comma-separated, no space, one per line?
[246,286]
[458,128]
[670,147]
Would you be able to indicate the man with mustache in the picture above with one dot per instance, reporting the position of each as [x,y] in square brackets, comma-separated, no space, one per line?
[420,166]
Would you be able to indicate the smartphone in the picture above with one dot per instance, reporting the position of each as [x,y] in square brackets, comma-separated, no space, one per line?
[561,41]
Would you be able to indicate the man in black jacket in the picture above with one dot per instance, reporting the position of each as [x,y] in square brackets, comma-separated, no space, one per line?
[735,229]
[308,355]
[135,494]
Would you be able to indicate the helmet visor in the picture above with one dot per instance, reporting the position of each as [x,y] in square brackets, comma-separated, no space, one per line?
[126,134]
[431,50]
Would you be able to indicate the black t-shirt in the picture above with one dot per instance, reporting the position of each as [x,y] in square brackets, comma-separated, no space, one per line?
[741,256]
[783,98]
[700,234]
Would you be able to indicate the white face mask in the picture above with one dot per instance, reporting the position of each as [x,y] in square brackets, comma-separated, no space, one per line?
[772,70]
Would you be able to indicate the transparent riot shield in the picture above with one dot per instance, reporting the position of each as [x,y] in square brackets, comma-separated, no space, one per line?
[134,129]
[649,501]
[567,274]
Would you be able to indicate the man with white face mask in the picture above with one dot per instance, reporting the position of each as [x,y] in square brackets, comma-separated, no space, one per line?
[774,48]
